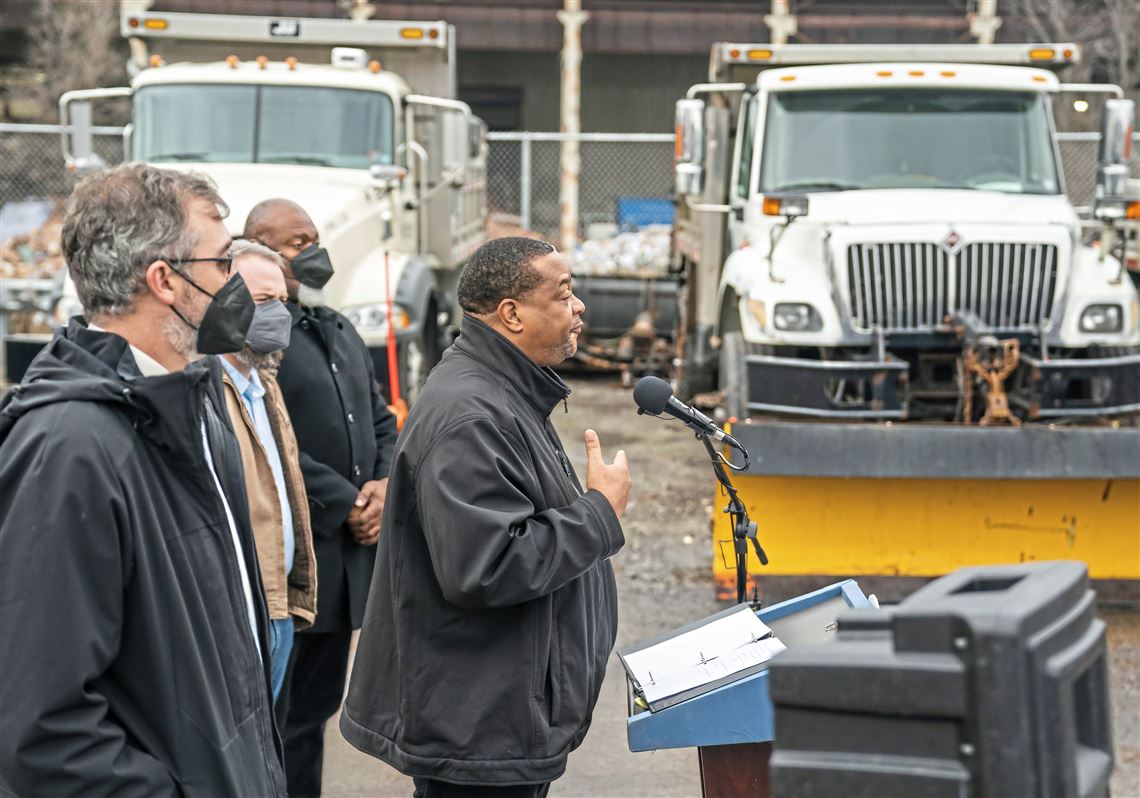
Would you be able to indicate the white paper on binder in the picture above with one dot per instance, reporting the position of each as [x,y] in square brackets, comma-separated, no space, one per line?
[700,656]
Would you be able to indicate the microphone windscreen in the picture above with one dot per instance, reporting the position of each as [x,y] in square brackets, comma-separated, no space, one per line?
[652,394]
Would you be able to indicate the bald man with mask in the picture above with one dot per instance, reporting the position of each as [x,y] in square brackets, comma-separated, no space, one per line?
[345,435]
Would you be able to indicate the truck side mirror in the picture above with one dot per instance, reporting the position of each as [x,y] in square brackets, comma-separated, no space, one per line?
[83,158]
[1115,153]
[75,118]
[455,141]
[689,144]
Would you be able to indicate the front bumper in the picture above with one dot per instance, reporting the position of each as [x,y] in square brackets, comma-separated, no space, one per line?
[881,387]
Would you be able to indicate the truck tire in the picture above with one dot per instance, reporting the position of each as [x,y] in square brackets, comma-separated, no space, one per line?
[733,375]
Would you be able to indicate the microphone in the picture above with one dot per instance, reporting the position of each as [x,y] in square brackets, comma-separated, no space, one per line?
[654,396]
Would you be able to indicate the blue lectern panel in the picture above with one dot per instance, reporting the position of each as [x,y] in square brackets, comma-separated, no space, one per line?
[741,712]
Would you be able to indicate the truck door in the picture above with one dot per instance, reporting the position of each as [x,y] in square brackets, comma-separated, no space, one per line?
[741,182]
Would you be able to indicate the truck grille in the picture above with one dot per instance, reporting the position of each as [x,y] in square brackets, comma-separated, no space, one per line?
[914,286]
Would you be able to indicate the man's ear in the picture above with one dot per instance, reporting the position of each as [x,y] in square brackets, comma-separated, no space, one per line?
[160,282]
[508,313]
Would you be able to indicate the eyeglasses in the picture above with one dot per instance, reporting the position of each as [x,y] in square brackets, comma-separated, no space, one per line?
[226,262]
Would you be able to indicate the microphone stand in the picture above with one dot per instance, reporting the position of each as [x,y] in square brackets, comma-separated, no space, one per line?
[743,528]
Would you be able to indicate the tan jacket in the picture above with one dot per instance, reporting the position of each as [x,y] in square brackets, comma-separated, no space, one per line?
[299,597]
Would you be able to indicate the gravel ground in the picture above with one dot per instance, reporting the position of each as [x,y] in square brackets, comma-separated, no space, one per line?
[664,579]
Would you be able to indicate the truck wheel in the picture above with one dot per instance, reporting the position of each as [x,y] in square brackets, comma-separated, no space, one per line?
[733,375]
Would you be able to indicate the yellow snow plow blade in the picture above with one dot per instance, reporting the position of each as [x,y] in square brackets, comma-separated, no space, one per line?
[915,501]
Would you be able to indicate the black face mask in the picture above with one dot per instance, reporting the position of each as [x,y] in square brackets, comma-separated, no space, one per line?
[226,320]
[312,267]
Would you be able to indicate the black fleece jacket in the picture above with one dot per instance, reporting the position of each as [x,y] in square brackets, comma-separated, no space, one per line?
[493,607]
[127,663]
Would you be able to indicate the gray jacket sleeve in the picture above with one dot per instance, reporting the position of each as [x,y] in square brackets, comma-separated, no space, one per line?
[65,553]
[490,545]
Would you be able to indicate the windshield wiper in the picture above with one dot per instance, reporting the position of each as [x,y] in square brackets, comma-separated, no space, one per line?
[307,160]
[813,185]
[179,156]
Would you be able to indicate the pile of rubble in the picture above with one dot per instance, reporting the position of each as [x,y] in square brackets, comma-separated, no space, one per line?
[35,255]
[643,253]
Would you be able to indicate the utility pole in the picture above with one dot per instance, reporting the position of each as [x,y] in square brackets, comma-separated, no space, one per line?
[984,21]
[572,18]
[781,23]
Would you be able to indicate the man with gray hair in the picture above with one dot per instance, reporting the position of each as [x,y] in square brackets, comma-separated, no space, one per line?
[134,625]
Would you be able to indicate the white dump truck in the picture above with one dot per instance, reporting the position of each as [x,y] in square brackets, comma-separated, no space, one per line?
[932,360]
[882,232]
[355,120]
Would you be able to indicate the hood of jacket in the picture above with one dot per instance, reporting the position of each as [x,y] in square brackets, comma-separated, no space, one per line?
[85,365]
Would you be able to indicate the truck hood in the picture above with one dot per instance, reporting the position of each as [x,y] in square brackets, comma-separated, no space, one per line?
[325,193]
[925,206]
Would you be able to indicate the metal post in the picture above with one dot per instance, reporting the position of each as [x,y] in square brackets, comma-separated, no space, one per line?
[524,181]
[781,24]
[572,18]
[984,21]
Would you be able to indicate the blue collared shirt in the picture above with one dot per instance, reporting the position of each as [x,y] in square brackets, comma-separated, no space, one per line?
[253,394]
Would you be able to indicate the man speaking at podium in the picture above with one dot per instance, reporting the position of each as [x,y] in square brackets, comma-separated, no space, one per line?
[493,607]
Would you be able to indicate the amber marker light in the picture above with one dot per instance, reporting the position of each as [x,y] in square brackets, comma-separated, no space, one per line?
[133,22]
[787,78]
[291,62]
[1132,210]
[374,67]
[734,54]
[759,55]
[156,60]
[232,61]
[411,33]
[262,61]
[948,73]
[885,73]
[916,73]
[1042,54]
[770,206]
[155,24]
[433,34]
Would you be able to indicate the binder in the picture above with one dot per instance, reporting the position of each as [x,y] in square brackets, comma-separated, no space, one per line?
[731,618]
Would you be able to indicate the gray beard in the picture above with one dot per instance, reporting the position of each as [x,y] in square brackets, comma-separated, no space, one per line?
[311,297]
[182,338]
[262,362]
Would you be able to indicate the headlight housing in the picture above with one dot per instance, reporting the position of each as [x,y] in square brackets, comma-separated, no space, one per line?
[796,317]
[374,317]
[1102,319]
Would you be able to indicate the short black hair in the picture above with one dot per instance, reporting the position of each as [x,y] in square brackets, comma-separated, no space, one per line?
[498,270]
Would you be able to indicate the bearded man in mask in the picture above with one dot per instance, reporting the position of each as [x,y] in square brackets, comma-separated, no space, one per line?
[346,436]
[133,620]
[278,505]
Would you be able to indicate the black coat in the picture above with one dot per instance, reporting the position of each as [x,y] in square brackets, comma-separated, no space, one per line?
[493,606]
[127,664]
[346,435]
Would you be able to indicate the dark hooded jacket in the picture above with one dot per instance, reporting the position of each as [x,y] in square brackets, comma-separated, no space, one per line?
[493,608]
[127,662]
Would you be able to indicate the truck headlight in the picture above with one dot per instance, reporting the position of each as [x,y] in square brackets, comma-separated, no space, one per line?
[796,317]
[1102,318]
[374,317]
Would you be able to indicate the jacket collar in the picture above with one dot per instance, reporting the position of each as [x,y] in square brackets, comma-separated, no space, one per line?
[540,385]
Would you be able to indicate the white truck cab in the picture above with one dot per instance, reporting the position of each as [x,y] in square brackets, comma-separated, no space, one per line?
[876,209]
[311,110]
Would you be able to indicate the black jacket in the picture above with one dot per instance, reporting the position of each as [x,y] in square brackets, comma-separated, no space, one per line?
[346,435]
[493,607]
[127,664]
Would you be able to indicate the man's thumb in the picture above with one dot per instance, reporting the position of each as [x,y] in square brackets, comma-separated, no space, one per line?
[620,460]
[593,445]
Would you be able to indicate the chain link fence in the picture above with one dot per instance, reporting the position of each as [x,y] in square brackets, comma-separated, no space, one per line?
[523,170]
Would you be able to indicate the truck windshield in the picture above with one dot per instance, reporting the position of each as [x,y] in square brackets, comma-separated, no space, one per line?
[907,138]
[263,124]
